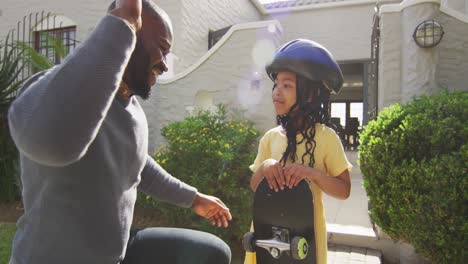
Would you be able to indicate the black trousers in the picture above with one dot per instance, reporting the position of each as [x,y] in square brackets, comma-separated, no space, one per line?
[175,246]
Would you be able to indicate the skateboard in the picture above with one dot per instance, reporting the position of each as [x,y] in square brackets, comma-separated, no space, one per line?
[283,225]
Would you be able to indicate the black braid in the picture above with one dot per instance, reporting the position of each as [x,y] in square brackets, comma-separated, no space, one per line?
[312,104]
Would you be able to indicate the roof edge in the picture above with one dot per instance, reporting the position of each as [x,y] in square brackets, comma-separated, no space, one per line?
[219,44]
[265,11]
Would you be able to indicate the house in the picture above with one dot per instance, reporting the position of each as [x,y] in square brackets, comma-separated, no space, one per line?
[220,49]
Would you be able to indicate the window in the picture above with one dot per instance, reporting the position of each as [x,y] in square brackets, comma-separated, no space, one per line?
[338,111]
[348,117]
[356,111]
[56,43]
[215,36]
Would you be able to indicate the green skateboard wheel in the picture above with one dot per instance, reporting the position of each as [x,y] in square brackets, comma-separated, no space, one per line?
[299,248]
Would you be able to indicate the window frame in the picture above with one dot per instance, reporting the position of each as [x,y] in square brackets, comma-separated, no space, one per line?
[56,33]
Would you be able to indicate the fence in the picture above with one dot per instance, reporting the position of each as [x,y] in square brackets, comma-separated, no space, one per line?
[39,32]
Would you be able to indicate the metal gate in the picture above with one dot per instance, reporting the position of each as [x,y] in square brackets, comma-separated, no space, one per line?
[32,33]
[373,74]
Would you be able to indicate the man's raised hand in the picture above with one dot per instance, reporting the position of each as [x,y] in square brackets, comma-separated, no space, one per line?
[129,10]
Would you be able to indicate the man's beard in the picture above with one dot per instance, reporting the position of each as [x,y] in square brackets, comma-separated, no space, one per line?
[139,71]
[140,85]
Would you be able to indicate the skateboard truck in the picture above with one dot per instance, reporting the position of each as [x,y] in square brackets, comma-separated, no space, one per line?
[278,244]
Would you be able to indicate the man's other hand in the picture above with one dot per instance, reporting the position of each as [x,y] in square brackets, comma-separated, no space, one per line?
[212,209]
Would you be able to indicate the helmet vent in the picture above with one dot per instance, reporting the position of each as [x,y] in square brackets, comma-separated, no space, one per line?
[288,44]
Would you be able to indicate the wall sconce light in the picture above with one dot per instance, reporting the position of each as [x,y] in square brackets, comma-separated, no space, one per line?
[428,34]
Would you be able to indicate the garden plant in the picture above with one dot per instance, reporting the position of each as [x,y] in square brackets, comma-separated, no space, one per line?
[10,69]
[211,151]
[414,158]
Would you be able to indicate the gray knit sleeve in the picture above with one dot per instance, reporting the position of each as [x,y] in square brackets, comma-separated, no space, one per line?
[57,116]
[159,184]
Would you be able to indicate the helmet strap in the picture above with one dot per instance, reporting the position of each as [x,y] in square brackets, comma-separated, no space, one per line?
[327,86]
[282,120]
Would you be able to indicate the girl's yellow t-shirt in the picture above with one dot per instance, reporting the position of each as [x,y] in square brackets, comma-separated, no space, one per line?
[329,158]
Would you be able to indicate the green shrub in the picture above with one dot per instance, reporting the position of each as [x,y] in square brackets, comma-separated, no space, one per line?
[7,233]
[414,159]
[13,59]
[10,69]
[211,152]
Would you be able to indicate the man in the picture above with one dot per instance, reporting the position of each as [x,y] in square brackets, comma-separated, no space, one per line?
[83,141]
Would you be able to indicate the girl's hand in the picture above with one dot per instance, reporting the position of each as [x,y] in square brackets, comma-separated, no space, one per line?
[273,173]
[295,173]
[129,10]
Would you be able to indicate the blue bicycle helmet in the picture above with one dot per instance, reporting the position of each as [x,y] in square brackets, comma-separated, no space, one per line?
[308,59]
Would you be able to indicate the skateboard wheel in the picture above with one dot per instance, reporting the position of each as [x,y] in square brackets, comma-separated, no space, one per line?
[299,248]
[247,242]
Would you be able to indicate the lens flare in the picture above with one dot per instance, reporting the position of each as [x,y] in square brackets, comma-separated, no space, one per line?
[262,52]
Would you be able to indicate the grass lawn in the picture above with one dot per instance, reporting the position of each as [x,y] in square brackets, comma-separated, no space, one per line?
[7,231]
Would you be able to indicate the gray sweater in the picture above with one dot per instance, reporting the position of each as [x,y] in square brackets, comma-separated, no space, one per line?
[83,155]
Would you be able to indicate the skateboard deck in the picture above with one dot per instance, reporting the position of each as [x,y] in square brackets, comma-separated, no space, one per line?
[283,225]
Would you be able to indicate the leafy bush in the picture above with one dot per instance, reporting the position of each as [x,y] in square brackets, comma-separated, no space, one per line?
[211,152]
[14,59]
[10,68]
[7,233]
[414,159]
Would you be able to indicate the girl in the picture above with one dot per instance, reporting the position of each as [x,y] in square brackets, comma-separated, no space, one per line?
[303,146]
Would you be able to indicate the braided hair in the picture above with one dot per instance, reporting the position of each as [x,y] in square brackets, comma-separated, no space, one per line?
[311,107]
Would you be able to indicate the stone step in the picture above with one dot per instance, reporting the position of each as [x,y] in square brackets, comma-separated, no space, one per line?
[350,235]
[342,254]
[361,237]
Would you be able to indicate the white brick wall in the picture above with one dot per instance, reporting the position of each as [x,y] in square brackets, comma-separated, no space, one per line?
[200,16]
[452,68]
[458,5]
[345,31]
[389,60]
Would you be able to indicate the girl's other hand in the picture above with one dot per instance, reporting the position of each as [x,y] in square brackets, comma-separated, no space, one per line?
[273,173]
[295,173]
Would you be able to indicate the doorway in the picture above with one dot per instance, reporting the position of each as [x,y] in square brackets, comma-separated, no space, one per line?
[348,108]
